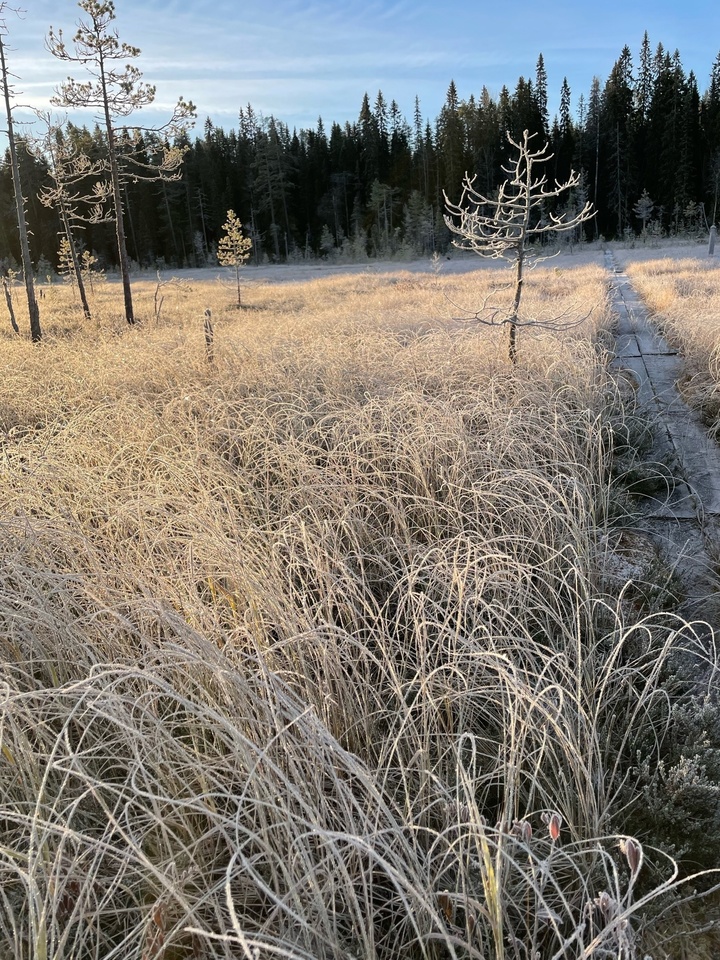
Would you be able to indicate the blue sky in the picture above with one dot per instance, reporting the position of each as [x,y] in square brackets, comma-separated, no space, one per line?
[298,60]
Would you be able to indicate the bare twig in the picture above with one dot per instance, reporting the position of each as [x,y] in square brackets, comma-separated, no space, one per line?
[159,299]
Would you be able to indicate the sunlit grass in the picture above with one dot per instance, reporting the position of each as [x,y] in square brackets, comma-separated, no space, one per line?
[311,651]
[684,296]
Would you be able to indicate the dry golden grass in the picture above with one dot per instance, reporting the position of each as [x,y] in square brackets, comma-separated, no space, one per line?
[283,636]
[684,296]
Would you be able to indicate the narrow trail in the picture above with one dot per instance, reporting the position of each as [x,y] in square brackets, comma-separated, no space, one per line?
[683,520]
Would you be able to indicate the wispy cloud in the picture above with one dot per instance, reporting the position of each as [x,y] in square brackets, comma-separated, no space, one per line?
[299,59]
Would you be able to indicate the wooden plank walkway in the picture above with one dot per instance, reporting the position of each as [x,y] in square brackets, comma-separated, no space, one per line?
[685,520]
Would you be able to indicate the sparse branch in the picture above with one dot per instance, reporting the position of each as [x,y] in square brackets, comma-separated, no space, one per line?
[159,297]
[504,227]
[77,181]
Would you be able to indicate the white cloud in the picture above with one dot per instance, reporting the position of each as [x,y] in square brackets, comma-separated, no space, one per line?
[299,59]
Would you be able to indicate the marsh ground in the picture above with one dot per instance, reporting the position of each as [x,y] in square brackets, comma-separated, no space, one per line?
[325,648]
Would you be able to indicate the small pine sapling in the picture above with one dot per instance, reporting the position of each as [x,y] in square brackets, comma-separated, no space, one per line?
[643,210]
[73,190]
[234,248]
[66,262]
[90,270]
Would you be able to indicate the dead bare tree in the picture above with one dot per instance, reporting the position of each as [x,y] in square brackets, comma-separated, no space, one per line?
[33,308]
[506,227]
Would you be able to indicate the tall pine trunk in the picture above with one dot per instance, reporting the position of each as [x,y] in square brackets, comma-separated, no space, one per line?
[75,262]
[123,259]
[33,308]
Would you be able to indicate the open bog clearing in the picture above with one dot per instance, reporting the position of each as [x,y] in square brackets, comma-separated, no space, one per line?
[342,644]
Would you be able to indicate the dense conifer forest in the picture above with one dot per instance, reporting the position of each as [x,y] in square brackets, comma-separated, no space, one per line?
[646,141]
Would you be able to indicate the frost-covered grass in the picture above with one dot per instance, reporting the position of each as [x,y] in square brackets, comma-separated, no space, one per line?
[683,295]
[313,652]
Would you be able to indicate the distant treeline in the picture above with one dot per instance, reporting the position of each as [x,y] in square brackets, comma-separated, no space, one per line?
[647,143]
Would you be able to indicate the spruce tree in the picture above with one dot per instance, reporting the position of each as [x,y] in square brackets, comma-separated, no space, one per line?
[541,96]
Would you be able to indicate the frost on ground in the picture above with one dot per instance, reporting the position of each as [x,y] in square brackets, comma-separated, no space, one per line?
[454,262]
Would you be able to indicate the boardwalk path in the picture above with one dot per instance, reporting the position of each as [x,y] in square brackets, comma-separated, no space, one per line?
[685,519]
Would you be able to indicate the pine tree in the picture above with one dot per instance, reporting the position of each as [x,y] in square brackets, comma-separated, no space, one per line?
[565,116]
[234,248]
[74,191]
[565,141]
[616,124]
[643,210]
[645,81]
[486,138]
[368,142]
[382,131]
[451,140]
[273,179]
[117,92]
[666,122]
[592,140]
[526,112]
[710,124]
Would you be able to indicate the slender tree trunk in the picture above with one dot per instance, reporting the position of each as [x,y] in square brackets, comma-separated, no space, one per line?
[33,309]
[253,233]
[121,243]
[131,232]
[8,301]
[170,219]
[281,182]
[206,248]
[512,346]
[193,251]
[273,225]
[522,240]
[597,169]
[617,177]
[117,199]
[75,262]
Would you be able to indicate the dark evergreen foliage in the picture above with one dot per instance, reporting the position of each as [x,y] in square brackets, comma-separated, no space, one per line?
[374,187]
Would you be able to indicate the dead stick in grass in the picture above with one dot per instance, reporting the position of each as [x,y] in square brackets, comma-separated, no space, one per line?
[8,300]
[209,337]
